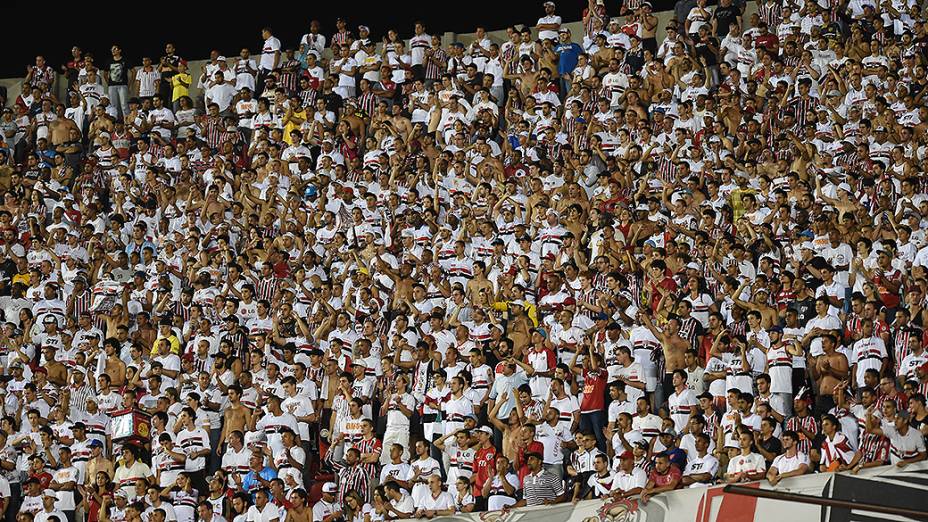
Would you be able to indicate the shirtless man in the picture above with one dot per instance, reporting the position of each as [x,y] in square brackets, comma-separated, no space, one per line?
[674,348]
[479,282]
[402,280]
[101,123]
[113,365]
[145,334]
[401,124]
[648,27]
[237,417]
[59,130]
[829,371]
[768,315]
[57,372]
[212,205]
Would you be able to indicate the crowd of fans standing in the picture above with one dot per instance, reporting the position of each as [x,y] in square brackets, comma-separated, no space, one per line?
[365,280]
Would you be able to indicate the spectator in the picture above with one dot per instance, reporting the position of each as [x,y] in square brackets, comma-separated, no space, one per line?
[369,262]
[791,463]
[540,486]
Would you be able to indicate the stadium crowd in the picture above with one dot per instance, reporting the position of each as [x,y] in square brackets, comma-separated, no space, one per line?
[352,280]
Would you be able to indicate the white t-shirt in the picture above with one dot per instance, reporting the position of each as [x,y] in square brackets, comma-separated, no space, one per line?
[221,94]
[750,463]
[269,513]
[785,464]
[696,465]
[548,34]
[628,481]
[903,446]
[271,45]
[442,502]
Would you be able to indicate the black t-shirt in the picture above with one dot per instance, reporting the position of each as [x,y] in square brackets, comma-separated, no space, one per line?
[7,271]
[119,71]
[725,16]
[172,60]
[918,424]
[772,445]
[703,50]
[805,309]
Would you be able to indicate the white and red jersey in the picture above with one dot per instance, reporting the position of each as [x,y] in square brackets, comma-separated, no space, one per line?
[867,354]
[459,270]
[566,341]
[566,408]
[681,406]
[542,360]
[750,463]
[911,362]
[461,463]
[780,369]
[837,449]
[643,346]
[632,373]
[481,379]
[455,411]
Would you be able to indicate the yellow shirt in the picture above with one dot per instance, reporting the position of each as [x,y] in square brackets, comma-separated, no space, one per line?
[180,83]
[292,125]
[175,344]
[737,205]
[530,310]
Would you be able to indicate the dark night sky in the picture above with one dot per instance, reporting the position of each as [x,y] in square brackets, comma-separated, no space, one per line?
[197,27]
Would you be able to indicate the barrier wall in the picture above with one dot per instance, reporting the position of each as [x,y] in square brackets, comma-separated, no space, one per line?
[886,485]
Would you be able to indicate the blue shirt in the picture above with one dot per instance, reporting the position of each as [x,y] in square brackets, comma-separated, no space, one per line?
[509,385]
[250,481]
[569,54]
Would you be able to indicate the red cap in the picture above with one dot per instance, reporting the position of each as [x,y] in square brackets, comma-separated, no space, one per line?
[627,455]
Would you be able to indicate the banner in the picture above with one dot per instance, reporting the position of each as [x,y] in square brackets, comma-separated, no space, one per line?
[887,485]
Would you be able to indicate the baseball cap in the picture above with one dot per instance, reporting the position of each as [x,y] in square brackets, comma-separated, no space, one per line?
[94,443]
[485,429]
[329,487]
[49,493]
[627,455]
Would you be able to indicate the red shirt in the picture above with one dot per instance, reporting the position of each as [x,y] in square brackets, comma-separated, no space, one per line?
[660,480]
[93,515]
[594,391]
[668,284]
[768,41]
[484,460]
[522,462]
[890,299]
[44,478]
